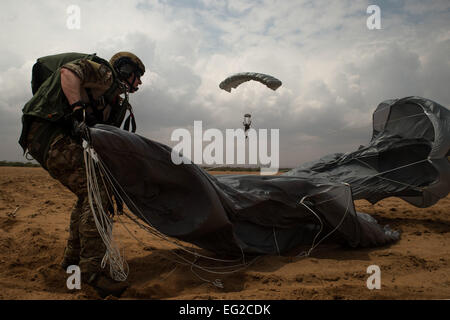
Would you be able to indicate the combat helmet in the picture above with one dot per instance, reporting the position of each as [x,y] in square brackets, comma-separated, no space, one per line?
[125,64]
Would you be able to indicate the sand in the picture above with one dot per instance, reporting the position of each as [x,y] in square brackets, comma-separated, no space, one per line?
[34,217]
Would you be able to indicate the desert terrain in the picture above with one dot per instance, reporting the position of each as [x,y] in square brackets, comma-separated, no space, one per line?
[34,218]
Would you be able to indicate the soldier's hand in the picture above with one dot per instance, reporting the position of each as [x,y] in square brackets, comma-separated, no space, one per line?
[79,128]
[78,114]
[78,109]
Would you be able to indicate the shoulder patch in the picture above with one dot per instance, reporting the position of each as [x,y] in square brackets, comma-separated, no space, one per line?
[105,73]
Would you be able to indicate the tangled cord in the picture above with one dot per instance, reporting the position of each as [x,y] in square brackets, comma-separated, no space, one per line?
[118,266]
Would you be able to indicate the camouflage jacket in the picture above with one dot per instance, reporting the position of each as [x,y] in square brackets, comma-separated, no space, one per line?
[47,113]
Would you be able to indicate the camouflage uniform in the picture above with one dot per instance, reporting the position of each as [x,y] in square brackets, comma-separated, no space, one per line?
[65,163]
[63,159]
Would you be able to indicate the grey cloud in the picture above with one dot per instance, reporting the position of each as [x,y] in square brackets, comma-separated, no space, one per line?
[334,70]
[436,74]
[10,59]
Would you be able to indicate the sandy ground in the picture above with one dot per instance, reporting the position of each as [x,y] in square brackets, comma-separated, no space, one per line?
[32,240]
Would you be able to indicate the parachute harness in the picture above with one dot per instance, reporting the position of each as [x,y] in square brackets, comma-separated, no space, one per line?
[131,118]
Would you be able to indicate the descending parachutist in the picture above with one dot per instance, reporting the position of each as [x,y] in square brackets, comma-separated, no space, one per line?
[247,123]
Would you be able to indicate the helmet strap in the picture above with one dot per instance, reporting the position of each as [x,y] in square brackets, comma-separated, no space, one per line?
[129,85]
[132,88]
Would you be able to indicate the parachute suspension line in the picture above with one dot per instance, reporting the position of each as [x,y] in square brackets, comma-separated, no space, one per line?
[401,167]
[307,253]
[399,182]
[390,170]
[117,264]
[314,244]
[217,282]
[387,171]
[153,230]
[401,118]
[193,264]
[276,242]
[370,155]
[156,233]
[148,229]
[170,273]
[382,109]
[187,262]
[215,167]
[388,106]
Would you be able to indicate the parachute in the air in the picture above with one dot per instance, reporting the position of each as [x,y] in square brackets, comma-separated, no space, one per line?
[247,123]
[232,82]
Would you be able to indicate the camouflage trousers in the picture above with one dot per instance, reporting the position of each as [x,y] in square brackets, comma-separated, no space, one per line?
[65,163]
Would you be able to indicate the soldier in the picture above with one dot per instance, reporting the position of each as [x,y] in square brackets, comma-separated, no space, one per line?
[85,90]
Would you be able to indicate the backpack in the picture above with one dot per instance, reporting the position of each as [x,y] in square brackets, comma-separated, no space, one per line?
[46,66]
[49,102]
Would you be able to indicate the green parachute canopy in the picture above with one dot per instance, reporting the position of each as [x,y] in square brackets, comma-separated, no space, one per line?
[233,81]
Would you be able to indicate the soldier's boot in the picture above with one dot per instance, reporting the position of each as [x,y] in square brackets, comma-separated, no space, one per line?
[104,285]
[73,247]
[70,259]
[91,255]
[91,271]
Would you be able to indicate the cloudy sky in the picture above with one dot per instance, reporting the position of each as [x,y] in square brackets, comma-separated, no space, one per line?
[334,69]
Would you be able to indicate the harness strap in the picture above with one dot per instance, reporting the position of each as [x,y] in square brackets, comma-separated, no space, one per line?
[126,125]
[98,114]
[109,94]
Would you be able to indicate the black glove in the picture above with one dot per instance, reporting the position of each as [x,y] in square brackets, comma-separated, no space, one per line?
[79,129]
[78,114]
